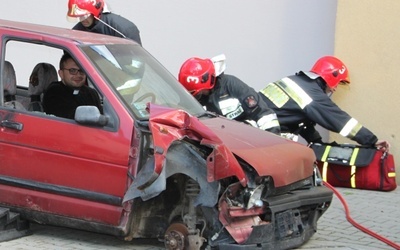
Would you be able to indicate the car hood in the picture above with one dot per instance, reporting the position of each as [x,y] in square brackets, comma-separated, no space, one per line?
[270,155]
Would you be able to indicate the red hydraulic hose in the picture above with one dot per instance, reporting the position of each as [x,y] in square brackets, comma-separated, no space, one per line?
[355,224]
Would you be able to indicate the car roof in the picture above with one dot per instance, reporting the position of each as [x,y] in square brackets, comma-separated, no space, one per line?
[64,33]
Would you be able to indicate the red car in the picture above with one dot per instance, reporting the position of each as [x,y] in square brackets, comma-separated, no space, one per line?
[154,164]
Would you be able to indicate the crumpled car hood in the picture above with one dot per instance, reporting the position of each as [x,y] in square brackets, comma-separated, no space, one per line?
[285,160]
[270,155]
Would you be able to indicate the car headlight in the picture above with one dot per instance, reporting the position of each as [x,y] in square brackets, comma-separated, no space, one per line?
[254,197]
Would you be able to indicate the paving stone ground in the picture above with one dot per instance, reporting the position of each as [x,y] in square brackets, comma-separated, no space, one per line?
[377,211]
[374,210]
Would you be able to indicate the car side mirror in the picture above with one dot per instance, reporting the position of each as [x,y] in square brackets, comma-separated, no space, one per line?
[90,115]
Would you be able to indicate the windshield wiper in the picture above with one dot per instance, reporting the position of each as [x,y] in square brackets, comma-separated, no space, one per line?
[207,114]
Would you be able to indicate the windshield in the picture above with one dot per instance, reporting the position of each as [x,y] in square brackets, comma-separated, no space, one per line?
[139,78]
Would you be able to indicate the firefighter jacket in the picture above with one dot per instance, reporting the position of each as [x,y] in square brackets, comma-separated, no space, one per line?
[235,100]
[121,27]
[300,102]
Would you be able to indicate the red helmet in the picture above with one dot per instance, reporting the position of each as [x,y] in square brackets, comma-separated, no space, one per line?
[197,74]
[332,70]
[84,8]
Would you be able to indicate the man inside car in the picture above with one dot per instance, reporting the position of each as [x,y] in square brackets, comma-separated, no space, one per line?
[63,97]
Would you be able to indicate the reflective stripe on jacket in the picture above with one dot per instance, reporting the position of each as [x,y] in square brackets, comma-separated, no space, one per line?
[298,99]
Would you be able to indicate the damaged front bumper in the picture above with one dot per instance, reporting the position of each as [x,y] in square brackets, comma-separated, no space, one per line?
[282,221]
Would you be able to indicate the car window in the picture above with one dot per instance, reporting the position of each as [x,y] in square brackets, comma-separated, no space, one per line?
[25,57]
[20,60]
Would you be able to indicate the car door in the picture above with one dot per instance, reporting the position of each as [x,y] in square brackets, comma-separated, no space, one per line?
[55,165]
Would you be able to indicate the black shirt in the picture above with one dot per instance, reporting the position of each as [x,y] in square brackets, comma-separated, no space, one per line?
[61,100]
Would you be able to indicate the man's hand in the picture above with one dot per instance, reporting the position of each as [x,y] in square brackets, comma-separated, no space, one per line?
[382,145]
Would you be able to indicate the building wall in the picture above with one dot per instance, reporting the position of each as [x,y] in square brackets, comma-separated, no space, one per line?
[263,40]
[367,40]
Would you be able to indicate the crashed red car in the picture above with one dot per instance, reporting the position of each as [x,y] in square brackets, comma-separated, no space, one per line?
[154,164]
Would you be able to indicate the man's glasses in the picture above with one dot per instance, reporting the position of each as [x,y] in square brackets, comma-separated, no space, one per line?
[74,71]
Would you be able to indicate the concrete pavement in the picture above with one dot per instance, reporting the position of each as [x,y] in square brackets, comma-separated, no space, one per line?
[377,211]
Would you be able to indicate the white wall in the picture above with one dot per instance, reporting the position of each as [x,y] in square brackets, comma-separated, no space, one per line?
[263,39]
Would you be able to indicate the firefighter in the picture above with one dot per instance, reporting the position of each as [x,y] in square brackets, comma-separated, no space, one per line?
[225,94]
[303,100]
[94,16]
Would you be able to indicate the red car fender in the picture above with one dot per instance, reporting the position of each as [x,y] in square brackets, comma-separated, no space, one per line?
[168,125]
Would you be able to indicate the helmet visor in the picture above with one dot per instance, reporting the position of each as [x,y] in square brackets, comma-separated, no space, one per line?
[75,14]
[345,81]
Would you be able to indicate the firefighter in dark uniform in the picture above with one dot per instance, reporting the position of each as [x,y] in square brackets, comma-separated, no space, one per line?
[225,94]
[303,100]
[94,16]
